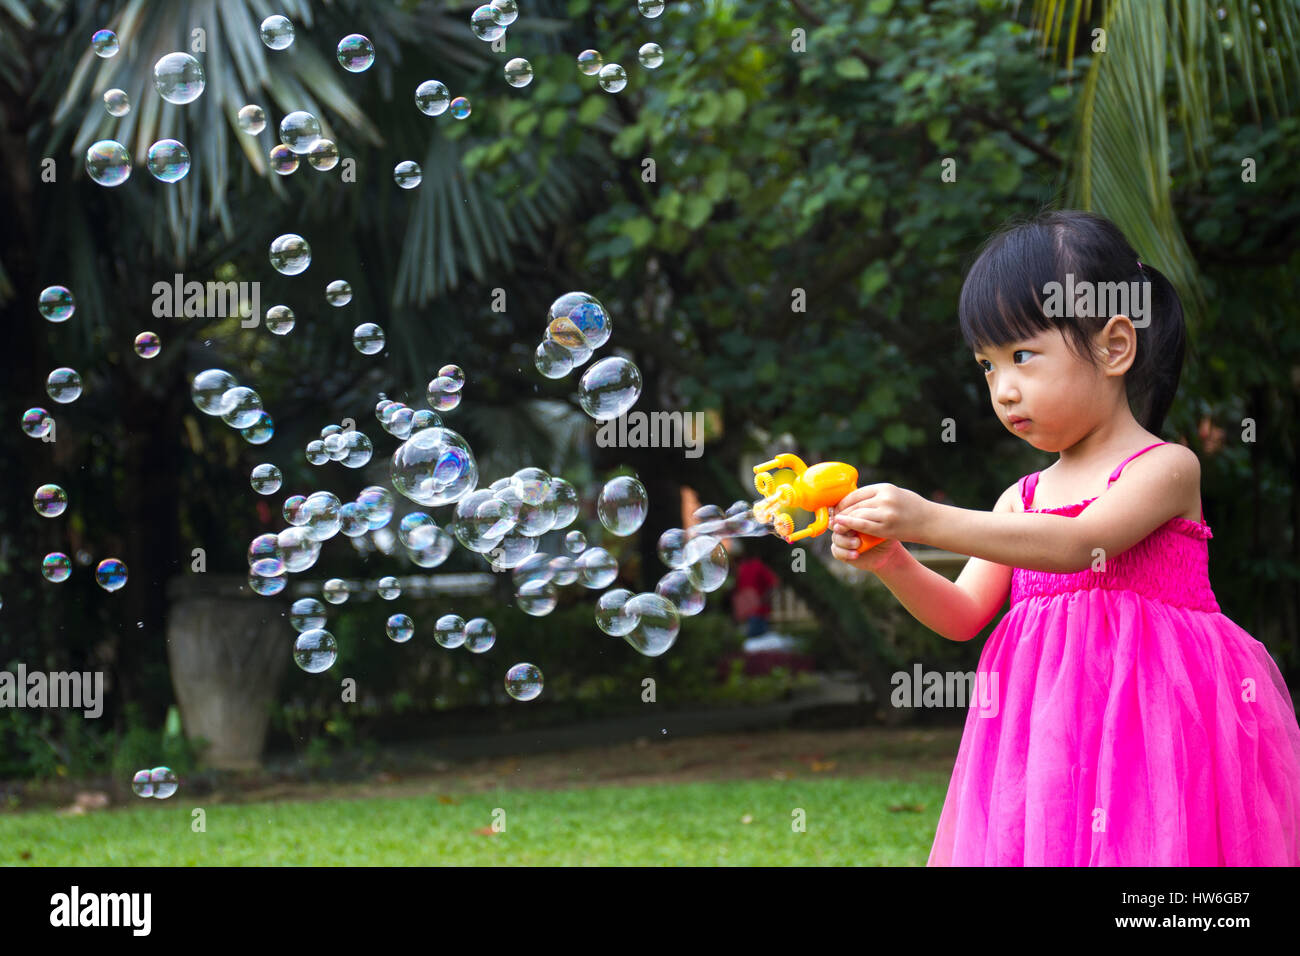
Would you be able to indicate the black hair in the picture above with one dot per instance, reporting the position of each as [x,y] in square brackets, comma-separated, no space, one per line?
[1002,299]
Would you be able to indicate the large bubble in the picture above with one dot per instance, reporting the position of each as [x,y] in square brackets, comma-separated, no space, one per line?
[179,78]
[435,466]
[609,388]
[622,505]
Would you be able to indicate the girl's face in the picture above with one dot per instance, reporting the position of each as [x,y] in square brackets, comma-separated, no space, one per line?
[1043,382]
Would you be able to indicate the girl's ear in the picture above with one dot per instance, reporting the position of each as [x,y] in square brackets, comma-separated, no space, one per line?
[1118,344]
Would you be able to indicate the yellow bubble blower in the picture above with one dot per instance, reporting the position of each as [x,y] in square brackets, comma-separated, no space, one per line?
[817,489]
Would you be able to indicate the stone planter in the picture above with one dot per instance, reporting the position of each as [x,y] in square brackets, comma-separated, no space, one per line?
[227,648]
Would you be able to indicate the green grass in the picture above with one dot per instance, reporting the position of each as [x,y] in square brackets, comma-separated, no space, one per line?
[848,823]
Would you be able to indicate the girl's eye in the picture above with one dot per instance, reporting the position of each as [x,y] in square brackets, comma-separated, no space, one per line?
[984,363]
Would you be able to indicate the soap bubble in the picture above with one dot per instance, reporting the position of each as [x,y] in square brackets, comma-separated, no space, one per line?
[622,505]
[524,681]
[455,376]
[710,572]
[677,588]
[434,467]
[432,97]
[590,62]
[322,511]
[315,650]
[609,388]
[378,504]
[449,631]
[531,484]
[277,32]
[480,635]
[63,385]
[316,453]
[290,254]
[283,160]
[650,8]
[407,174]
[260,432]
[482,519]
[243,407]
[265,557]
[672,548]
[416,530]
[50,501]
[400,628]
[211,389]
[298,548]
[117,102]
[280,319]
[299,131]
[460,107]
[574,542]
[657,624]
[356,53]
[56,566]
[651,55]
[147,345]
[142,784]
[537,598]
[578,321]
[324,155]
[612,616]
[307,614]
[37,422]
[108,163]
[368,338]
[388,588]
[266,479]
[519,72]
[335,590]
[164,782]
[565,498]
[292,509]
[338,293]
[597,568]
[179,78]
[612,79]
[401,422]
[168,160]
[553,360]
[486,23]
[443,394]
[334,446]
[266,586]
[104,43]
[352,520]
[511,550]
[56,303]
[357,450]
[507,11]
[251,119]
[111,574]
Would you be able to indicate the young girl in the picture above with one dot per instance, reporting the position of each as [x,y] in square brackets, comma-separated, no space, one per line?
[1135,724]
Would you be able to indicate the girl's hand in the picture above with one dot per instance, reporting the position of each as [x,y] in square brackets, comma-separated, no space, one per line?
[845,545]
[884,511]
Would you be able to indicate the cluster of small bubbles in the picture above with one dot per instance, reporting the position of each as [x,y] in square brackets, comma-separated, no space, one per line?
[449,631]
[307,614]
[160,783]
[388,588]
[596,568]
[315,650]
[280,319]
[299,131]
[168,160]
[524,681]
[590,62]
[356,53]
[432,97]
[266,479]
[111,574]
[651,56]
[63,385]
[519,72]
[678,589]
[117,102]
[56,566]
[461,108]
[486,22]
[622,505]
[277,32]
[435,466]
[576,325]
[611,612]
[290,254]
[37,422]
[56,303]
[609,388]
[179,78]
[283,160]
[407,174]
[338,293]
[574,542]
[50,501]
[650,8]
[324,155]
[368,338]
[104,43]
[335,590]
[251,119]
[147,345]
[612,77]
[400,628]
[657,623]
[108,163]
[480,635]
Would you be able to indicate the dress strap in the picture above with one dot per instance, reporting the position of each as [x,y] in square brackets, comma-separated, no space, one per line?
[1027,485]
[1115,474]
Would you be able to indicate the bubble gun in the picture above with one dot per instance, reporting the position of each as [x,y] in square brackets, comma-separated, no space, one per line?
[817,489]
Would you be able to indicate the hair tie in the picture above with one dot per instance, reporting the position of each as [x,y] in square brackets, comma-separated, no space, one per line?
[1139,265]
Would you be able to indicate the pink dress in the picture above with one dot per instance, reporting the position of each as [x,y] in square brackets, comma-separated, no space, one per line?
[1131,723]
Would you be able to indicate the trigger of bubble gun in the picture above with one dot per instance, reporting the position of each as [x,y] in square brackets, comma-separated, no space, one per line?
[817,489]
